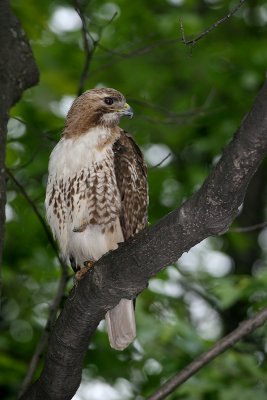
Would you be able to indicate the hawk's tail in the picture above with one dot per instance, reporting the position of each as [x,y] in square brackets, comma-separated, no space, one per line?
[121,324]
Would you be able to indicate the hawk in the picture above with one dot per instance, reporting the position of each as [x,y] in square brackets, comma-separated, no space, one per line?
[97,192]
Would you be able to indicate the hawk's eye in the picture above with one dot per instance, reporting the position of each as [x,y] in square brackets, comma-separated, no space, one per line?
[109,100]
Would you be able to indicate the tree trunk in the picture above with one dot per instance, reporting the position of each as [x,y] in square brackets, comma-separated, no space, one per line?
[18,72]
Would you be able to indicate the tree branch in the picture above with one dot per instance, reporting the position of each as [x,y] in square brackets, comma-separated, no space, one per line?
[41,345]
[251,228]
[124,273]
[59,295]
[18,72]
[211,28]
[221,346]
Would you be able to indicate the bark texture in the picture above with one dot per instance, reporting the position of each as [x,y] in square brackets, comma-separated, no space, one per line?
[124,273]
[18,72]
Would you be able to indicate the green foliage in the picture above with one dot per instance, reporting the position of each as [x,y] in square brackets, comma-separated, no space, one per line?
[187,102]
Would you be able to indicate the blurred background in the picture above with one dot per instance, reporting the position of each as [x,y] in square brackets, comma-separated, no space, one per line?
[188,102]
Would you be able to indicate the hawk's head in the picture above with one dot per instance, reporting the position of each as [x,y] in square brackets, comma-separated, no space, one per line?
[96,107]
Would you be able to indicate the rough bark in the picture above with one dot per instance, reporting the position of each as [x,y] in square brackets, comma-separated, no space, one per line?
[18,72]
[125,272]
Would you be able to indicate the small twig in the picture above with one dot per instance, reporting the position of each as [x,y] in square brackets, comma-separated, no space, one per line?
[170,117]
[249,228]
[135,53]
[89,47]
[153,106]
[221,346]
[162,161]
[191,287]
[35,151]
[26,163]
[38,214]
[49,134]
[139,51]
[19,120]
[192,42]
[179,120]
[182,32]
[89,43]
[108,22]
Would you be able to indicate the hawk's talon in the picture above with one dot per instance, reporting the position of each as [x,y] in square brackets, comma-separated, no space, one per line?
[88,264]
[81,273]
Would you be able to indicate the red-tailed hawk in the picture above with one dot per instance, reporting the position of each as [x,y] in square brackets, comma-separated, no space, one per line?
[97,191]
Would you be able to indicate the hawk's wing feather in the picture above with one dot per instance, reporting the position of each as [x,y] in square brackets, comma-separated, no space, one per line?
[131,176]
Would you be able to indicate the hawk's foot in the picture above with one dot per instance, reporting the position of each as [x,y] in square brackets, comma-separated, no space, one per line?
[88,264]
[80,274]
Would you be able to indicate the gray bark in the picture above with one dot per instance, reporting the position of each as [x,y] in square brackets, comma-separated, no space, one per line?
[18,72]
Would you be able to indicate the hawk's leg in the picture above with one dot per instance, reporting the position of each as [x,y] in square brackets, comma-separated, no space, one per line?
[82,271]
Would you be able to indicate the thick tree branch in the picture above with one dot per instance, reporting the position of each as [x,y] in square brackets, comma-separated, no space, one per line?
[124,272]
[221,346]
[17,73]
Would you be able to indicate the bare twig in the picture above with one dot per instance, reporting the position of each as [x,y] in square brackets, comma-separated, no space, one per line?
[48,134]
[89,43]
[108,22]
[171,117]
[200,293]
[39,216]
[139,51]
[249,228]
[153,106]
[172,120]
[225,343]
[89,47]
[192,42]
[135,53]
[162,161]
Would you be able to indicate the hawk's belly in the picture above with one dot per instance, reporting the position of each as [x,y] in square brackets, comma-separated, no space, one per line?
[93,243]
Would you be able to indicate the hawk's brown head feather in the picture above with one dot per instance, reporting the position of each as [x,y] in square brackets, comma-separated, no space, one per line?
[95,107]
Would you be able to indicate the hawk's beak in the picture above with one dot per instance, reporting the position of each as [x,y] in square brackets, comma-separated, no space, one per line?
[127,111]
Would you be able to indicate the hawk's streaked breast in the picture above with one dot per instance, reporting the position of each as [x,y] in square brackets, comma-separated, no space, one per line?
[82,192]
